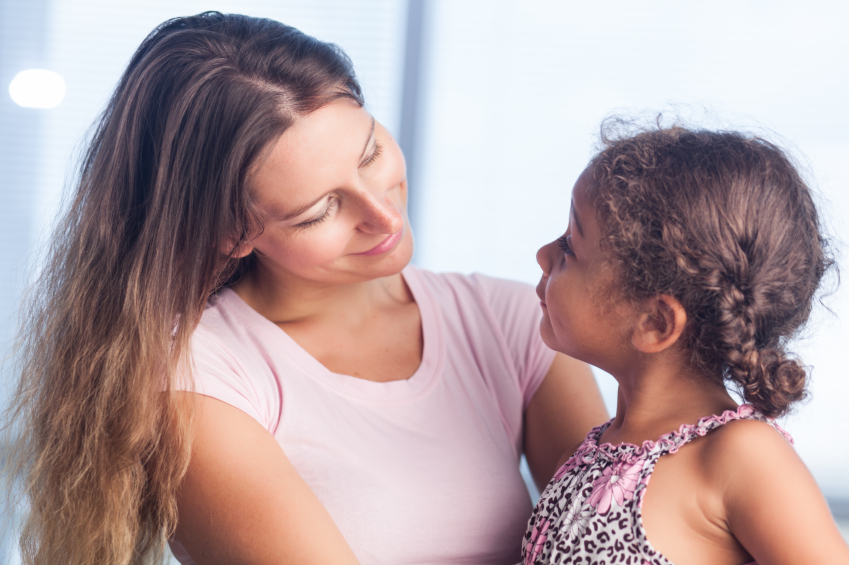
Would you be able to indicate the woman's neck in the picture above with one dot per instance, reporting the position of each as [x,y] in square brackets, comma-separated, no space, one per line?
[370,330]
[285,299]
[660,394]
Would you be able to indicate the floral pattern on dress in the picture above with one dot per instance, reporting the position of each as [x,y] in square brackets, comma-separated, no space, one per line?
[591,511]
[617,481]
[578,518]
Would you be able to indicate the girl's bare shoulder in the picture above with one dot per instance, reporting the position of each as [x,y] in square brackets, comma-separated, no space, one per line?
[745,444]
[769,500]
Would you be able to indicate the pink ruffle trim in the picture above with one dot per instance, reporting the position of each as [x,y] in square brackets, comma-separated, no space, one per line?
[673,440]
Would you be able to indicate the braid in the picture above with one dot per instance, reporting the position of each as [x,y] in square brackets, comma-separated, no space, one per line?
[764,376]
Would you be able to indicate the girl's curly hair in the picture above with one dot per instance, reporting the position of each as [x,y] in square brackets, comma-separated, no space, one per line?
[723,222]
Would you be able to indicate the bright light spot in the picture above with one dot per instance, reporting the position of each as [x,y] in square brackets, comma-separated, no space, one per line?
[16,556]
[37,88]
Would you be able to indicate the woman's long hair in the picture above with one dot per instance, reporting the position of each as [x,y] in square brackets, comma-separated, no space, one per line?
[148,235]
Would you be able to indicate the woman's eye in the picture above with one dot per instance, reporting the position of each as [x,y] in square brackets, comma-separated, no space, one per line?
[374,155]
[324,215]
[565,243]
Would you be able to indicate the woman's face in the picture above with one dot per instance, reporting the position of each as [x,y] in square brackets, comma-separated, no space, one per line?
[332,194]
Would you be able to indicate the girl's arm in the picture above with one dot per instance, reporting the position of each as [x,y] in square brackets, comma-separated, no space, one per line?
[565,407]
[773,505]
[243,503]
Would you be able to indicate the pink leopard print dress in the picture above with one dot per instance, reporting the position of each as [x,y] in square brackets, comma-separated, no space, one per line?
[591,511]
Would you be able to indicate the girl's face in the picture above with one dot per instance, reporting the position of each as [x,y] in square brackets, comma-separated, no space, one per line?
[332,194]
[578,319]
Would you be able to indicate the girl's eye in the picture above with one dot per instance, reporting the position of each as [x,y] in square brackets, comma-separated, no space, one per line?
[565,243]
[324,215]
[374,155]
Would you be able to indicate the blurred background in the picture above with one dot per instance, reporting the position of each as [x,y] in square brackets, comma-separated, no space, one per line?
[497,105]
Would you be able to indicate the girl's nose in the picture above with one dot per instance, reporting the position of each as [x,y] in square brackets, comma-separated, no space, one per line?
[544,258]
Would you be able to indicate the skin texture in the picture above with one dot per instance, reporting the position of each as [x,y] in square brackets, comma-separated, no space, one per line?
[739,494]
[344,175]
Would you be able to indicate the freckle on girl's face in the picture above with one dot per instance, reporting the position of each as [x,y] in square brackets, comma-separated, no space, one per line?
[576,318]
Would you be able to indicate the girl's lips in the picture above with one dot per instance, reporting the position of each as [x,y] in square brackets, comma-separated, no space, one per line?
[541,294]
[387,244]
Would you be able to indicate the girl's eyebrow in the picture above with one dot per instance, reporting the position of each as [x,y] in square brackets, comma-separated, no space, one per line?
[577,221]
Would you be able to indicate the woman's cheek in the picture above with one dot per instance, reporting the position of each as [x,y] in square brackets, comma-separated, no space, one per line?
[394,172]
[326,244]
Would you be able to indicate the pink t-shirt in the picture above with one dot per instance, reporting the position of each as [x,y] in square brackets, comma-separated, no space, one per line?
[423,470]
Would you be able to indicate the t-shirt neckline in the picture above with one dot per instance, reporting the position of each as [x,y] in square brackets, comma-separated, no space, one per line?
[421,381]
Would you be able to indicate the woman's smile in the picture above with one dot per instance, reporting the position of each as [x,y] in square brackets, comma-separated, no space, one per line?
[387,244]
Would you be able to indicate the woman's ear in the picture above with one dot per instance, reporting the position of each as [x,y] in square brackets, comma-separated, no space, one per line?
[659,324]
[239,250]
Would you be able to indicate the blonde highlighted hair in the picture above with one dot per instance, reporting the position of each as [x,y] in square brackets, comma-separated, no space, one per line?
[103,440]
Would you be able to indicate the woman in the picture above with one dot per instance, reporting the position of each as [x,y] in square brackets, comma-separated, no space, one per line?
[229,311]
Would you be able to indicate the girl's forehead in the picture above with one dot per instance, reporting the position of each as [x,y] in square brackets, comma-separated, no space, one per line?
[580,204]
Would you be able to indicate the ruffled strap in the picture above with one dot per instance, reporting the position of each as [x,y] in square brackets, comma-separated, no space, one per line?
[672,442]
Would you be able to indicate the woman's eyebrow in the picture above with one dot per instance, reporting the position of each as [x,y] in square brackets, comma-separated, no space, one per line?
[368,139]
[577,221]
[302,209]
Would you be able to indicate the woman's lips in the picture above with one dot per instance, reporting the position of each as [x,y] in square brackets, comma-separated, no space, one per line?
[387,244]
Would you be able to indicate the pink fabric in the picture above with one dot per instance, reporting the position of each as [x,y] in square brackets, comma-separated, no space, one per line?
[423,470]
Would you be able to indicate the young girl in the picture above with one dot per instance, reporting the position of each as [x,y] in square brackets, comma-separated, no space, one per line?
[690,259]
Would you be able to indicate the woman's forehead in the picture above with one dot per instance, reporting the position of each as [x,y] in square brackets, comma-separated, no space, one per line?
[317,151]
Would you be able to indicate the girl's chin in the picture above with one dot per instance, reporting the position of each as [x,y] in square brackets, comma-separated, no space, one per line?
[546,332]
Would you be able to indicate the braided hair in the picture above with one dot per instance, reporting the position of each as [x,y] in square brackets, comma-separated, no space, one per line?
[723,222]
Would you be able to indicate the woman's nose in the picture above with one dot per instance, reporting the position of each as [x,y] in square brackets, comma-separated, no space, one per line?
[382,214]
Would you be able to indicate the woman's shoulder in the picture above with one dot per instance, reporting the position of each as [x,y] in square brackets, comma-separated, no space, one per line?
[226,317]
[495,291]
[493,315]
[227,332]
[230,359]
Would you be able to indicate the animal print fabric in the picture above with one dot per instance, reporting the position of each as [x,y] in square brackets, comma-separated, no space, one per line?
[591,511]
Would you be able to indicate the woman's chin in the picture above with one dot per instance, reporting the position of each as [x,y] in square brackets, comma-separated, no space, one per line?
[394,261]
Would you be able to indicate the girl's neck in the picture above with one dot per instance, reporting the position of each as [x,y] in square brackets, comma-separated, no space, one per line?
[660,395]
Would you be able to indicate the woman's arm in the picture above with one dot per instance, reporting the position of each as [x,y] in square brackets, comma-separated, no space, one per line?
[243,503]
[565,407]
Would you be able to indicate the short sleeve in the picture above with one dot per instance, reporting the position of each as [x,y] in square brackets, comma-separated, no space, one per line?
[217,373]
[515,307]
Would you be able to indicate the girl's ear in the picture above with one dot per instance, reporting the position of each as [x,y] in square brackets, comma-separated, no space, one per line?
[659,324]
